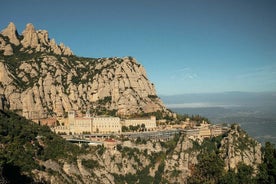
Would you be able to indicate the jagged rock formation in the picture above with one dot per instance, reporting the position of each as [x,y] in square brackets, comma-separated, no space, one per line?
[11,33]
[239,147]
[30,41]
[43,79]
[234,147]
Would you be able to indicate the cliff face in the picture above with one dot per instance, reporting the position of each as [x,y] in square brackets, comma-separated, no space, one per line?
[239,147]
[170,162]
[41,79]
[45,157]
[30,41]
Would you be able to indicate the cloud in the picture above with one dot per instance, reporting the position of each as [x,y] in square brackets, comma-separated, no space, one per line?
[200,105]
[185,73]
[192,76]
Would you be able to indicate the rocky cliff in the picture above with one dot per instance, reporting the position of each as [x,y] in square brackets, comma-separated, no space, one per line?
[30,41]
[41,79]
[45,157]
[239,147]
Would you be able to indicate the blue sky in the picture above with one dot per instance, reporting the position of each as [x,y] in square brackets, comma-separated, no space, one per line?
[194,46]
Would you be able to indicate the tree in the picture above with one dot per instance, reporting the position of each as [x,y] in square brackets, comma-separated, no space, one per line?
[119,147]
[262,176]
[124,129]
[159,173]
[267,170]
[131,127]
[245,173]
[208,170]
[229,178]
[143,126]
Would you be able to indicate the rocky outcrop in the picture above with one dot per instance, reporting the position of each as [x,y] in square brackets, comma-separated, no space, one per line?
[47,158]
[11,33]
[32,40]
[130,160]
[5,47]
[179,162]
[41,80]
[238,147]
[57,85]
[234,148]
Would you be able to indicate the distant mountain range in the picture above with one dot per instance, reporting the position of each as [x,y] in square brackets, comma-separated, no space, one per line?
[255,112]
[225,99]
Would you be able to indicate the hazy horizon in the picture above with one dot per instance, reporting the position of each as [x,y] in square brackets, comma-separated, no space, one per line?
[223,99]
[255,112]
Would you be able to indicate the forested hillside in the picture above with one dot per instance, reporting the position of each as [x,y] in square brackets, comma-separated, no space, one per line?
[32,153]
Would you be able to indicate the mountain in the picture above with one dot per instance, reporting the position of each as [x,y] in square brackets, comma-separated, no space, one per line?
[42,79]
[30,41]
[30,153]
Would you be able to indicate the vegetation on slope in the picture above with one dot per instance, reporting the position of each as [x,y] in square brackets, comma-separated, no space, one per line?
[23,144]
[210,167]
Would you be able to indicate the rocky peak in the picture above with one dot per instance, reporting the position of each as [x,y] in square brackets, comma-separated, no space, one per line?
[43,36]
[65,50]
[239,147]
[32,38]
[11,33]
[49,85]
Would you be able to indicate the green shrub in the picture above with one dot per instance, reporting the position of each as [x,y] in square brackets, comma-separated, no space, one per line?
[90,164]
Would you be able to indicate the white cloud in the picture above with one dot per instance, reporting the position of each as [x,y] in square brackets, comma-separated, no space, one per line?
[200,105]
[185,73]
